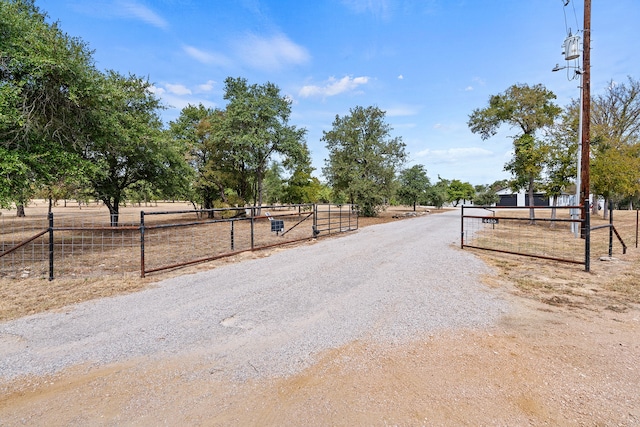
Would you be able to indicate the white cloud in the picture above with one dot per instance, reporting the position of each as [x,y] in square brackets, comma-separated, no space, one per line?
[468,88]
[206,87]
[334,87]
[132,9]
[454,155]
[271,53]
[178,89]
[157,90]
[400,77]
[206,57]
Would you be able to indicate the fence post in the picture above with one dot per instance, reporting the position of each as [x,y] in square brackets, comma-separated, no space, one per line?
[587,237]
[610,228]
[637,218]
[315,220]
[252,225]
[462,228]
[50,217]
[232,243]
[142,244]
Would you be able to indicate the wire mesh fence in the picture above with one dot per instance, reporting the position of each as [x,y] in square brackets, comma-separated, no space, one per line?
[85,244]
[332,218]
[70,245]
[24,246]
[553,232]
[174,239]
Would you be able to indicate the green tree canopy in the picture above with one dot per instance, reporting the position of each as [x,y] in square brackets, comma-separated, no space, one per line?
[46,93]
[458,190]
[485,196]
[128,144]
[200,131]
[437,193]
[615,134]
[562,145]
[414,184]
[257,127]
[363,158]
[529,109]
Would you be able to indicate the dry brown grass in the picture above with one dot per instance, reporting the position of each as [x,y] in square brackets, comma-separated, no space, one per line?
[614,285]
[112,271]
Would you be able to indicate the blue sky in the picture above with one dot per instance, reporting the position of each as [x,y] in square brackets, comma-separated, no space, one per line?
[427,63]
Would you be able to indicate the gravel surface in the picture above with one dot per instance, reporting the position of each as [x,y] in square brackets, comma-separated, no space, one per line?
[390,283]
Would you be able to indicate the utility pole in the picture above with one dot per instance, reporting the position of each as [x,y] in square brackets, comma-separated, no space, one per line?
[586,111]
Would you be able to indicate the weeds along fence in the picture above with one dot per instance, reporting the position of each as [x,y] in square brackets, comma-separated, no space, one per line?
[85,245]
[555,233]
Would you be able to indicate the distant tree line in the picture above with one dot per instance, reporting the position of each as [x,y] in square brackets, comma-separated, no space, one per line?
[71,131]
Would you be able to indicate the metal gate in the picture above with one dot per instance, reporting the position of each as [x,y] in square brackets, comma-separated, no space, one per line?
[508,229]
[333,218]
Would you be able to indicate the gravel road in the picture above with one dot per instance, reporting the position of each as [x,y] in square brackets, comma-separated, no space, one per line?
[392,283]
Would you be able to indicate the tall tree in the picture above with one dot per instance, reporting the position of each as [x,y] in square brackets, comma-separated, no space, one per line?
[561,163]
[46,91]
[363,158]
[200,131]
[414,184]
[257,127]
[615,132]
[128,145]
[530,109]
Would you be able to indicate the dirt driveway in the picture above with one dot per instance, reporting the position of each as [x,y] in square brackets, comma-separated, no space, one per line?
[532,364]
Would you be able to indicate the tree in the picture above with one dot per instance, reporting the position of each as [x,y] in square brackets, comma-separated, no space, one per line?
[14,177]
[437,194]
[274,184]
[46,93]
[128,145]
[485,196]
[302,187]
[530,109]
[200,131]
[414,184]
[615,132]
[363,158]
[459,190]
[561,162]
[256,126]
[498,185]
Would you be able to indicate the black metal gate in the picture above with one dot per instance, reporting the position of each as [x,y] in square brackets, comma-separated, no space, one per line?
[333,218]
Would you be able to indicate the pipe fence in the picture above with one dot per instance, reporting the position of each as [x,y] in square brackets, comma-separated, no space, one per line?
[86,245]
[554,233]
